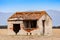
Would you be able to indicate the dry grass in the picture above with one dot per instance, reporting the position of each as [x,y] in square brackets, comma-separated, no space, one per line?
[55,36]
[3,31]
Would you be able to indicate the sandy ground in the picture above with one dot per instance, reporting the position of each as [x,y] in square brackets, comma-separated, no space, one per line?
[4,36]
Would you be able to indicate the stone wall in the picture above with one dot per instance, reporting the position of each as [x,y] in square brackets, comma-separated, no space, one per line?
[38,31]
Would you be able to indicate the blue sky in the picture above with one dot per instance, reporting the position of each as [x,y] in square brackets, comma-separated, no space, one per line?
[26,5]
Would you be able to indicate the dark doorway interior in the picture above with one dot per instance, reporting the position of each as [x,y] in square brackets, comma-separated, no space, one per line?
[34,24]
[30,23]
[16,28]
[43,23]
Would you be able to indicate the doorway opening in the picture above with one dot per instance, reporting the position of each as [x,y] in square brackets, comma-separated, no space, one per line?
[43,23]
[16,28]
[30,23]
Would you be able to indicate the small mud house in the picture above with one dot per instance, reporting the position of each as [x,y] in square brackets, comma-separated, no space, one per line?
[30,23]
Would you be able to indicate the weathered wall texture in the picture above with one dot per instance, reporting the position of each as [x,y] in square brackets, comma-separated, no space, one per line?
[38,31]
